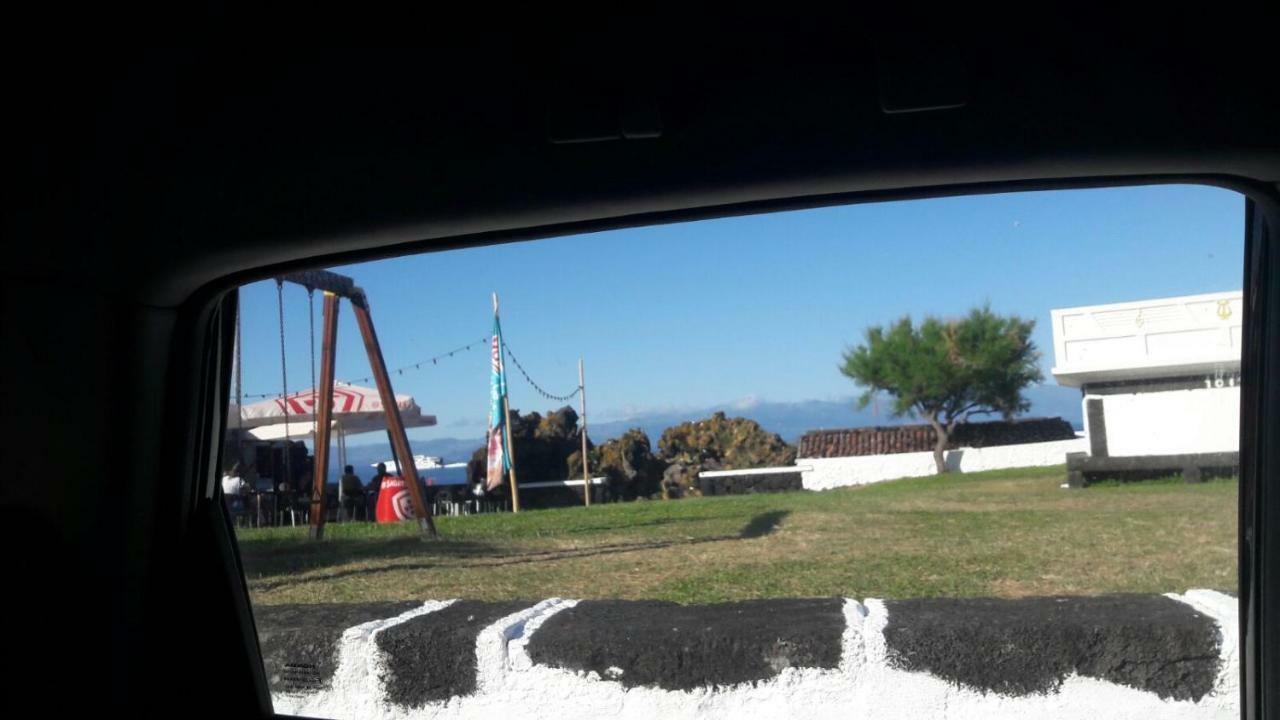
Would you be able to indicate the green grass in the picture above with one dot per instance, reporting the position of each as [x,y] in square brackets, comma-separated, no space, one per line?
[1005,533]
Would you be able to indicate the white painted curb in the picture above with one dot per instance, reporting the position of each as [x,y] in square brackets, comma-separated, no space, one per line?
[511,686]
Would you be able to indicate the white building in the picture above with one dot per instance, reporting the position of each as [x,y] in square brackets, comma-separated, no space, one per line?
[1160,381]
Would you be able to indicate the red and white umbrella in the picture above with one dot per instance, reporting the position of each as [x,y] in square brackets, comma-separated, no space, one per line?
[356,409]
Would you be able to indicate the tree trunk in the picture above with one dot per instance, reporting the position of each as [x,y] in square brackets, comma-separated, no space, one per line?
[940,446]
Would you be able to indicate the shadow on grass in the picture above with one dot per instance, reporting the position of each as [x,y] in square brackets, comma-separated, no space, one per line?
[763,524]
[655,522]
[272,557]
[303,556]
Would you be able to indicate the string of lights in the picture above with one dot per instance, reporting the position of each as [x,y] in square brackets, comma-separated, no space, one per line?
[536,386]
[435,360]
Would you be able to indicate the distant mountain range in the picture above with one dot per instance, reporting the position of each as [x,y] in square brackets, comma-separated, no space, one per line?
[788,419]
[793,419]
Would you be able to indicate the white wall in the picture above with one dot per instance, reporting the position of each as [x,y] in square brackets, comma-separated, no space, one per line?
[827,473]
[864,686]
[1162,337]
[1175,422]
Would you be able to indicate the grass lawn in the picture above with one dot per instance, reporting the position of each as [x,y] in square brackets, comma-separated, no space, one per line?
[1005,533]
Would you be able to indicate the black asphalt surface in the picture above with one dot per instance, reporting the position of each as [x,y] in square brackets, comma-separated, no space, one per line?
[681,647]
[433,657]
[300,642]
[1018,647]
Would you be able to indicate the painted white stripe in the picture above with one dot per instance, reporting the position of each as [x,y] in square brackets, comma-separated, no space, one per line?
[853,650]
[873,643]
[518,645]
[1224,610]
[357,689]
[755,471]
[494,643]
[560,483]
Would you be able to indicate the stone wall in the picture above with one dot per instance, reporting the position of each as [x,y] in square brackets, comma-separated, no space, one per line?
[853,442]
[729,482]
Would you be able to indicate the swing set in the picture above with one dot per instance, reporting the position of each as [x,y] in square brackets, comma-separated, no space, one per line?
[336,287]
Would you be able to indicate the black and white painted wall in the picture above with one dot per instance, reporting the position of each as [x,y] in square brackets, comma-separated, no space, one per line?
[1126,656]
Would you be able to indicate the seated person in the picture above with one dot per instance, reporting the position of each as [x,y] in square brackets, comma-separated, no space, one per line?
[352,491]
[375,482]
[302,480]
[284,501]
[372,489]
[234,489]
[252,482]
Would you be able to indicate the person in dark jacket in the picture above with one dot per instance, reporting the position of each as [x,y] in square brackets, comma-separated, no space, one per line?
[372,489]
[352,492]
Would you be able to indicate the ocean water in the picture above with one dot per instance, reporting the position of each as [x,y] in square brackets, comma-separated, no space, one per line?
[363,460]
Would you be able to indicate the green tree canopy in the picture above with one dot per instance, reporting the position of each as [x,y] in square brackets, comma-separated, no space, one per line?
[946,371]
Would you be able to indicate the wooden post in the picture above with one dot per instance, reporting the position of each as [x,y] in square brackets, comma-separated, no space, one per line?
[511,455]
[506,412]
[586,471]
[342,463]
[395,426]
[323,415]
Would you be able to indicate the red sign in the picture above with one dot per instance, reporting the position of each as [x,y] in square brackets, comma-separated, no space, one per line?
[394,502]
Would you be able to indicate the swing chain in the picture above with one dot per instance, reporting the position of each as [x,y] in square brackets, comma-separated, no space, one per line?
[311,321]
[239,362]
[284,388]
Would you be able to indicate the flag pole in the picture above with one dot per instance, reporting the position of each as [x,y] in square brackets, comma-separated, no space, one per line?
[515,493]
[506,409]
[586,473]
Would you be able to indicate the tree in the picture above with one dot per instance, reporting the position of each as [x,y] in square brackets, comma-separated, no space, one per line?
[947,371]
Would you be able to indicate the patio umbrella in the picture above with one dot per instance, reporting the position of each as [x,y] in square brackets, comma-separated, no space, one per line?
[356,409]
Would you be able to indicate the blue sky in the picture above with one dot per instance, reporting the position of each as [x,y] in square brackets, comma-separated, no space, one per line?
[751,308]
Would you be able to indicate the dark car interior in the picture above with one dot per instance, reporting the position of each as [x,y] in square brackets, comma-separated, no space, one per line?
[146,185]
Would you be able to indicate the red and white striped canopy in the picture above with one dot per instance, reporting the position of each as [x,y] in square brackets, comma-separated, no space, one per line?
[356,409]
